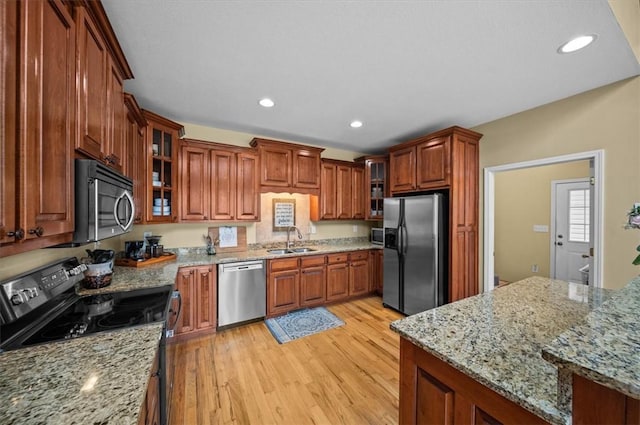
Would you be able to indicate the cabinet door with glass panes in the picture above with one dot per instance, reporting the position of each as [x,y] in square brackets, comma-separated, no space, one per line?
[162,169]
[376,186]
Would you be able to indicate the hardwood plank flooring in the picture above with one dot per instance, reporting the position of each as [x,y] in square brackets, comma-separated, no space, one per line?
[347,375]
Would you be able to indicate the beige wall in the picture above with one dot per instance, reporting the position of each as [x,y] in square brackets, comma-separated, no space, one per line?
[606,118]
[522,200]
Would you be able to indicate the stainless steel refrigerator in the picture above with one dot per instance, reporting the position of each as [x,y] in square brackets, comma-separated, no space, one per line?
[414,253]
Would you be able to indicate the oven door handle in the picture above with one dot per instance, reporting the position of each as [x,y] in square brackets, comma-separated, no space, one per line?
[125,194]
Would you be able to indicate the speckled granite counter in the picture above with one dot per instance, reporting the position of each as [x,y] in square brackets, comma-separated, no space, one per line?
[99,379]
[606,347]
[129,278]
[497,337]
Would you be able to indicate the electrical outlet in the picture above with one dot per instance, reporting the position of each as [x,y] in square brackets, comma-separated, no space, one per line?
[312,229]
[534,268]
[355,228]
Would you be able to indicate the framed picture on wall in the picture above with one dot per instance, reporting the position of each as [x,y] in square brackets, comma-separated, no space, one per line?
[284,214]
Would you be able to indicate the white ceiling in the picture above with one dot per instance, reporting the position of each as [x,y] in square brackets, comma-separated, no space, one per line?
[404,68]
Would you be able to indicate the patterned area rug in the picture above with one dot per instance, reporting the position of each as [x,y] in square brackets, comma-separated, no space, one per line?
[299,323]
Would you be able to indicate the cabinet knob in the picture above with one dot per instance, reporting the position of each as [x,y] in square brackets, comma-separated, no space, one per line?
[18,234]
[38,231]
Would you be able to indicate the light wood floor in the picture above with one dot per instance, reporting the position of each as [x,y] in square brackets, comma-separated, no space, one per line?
[347,375]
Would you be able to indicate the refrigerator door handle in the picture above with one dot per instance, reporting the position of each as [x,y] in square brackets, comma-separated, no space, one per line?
[405,239]
[399,242]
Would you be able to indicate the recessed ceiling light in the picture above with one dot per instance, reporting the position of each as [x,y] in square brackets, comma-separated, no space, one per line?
[266,102]
[577,43]
[356,124]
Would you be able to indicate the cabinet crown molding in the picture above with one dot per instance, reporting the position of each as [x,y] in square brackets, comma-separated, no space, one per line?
[257,141]
[451,131]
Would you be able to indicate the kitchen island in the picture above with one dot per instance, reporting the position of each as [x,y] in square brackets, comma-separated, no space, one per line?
[480,359]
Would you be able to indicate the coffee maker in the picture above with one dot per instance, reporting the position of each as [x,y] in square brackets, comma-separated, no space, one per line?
[154,249]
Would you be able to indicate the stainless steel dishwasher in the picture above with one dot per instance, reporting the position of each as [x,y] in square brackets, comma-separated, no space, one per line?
[242,292]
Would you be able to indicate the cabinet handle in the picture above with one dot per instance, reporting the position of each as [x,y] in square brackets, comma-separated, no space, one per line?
[18,234]
[38,231]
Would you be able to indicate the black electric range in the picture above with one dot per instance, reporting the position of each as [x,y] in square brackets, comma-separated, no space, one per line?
[41,306]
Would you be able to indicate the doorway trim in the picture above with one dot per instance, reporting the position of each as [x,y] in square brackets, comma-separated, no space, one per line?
[598,206]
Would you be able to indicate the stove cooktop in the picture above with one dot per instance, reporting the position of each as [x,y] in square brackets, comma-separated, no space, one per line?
[105,312]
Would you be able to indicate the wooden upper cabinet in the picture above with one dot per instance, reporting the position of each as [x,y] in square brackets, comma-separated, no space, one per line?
[375,187]
[288,167]
[162,168]
[358,193]
[276,166]
[305,169]
[136,154]
[102,70]
[115,148]
[223,185]
[93,61]
[9,62]
[433,163]
[218,182]
[247,192]
[38,125]
[194,174]
[341,192]
[402,169]
[343,196]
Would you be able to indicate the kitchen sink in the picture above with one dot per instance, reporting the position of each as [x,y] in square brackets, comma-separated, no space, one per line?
[297,250]
[282,251]
[277,251]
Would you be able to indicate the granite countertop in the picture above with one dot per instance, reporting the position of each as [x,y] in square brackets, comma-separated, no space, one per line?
[100,379]
[130,278]
[606,347]
[497,337]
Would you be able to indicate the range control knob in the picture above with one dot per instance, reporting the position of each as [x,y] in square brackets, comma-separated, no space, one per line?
[18,298]
[32,292]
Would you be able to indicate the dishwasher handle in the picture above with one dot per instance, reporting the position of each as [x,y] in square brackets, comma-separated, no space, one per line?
[241,267]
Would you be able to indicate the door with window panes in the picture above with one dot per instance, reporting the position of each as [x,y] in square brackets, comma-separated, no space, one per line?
[572,231]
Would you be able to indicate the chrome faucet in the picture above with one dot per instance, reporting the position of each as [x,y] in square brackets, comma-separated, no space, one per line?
[289,235]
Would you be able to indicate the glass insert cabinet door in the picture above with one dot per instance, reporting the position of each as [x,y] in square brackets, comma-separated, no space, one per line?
[377,188]
[162,140]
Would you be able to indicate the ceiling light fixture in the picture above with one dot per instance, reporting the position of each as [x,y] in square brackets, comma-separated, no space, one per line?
[266,102]
[356,124]
[577,43]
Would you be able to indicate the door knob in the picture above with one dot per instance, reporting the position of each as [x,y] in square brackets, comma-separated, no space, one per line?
[585,256]
[38,231]
[18,234]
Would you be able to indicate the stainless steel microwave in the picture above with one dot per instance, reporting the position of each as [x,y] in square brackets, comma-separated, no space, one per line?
[104,202]
[377,235]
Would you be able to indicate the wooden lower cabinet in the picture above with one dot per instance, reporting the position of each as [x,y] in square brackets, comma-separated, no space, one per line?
[283,285]
[198,289]
[150,409]
[433,392]
[377,270]
[308,281]
[359,273]
[337,276]
[313,281]
[593,403]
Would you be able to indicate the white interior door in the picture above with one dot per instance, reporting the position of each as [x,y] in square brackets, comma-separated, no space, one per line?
[572,235]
